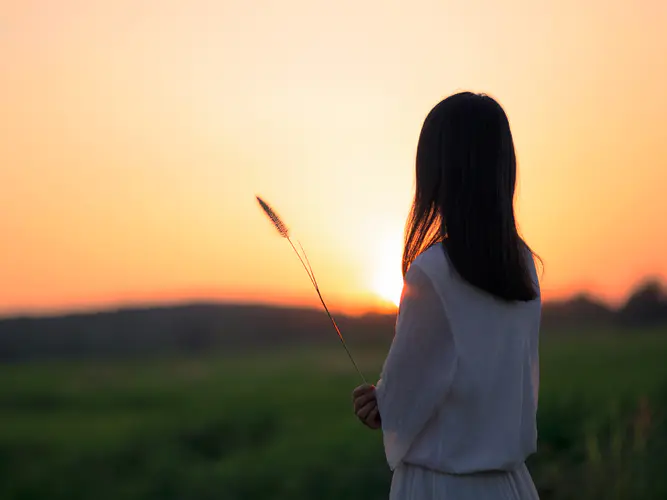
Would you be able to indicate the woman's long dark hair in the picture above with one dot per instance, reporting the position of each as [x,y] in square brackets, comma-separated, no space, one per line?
[464,196]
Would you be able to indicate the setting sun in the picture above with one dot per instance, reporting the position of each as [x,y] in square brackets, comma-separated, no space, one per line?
[389,286]
[387,279]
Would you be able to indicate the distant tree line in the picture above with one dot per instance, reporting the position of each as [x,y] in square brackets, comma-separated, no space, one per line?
[219,328]
[187,329]
[645,307]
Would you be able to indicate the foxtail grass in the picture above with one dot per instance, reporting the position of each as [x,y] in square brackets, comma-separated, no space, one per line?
[283,230]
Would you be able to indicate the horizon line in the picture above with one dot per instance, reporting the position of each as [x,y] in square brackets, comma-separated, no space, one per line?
[389,309]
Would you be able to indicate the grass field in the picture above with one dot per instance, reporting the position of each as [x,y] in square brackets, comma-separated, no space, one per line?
[279,426]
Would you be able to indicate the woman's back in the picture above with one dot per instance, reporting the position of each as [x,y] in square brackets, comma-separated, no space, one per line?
[486,420]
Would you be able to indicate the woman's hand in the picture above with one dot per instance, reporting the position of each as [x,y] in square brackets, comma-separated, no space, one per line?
[366,407]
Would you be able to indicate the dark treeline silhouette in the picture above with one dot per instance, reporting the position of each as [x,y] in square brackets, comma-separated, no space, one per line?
[220,328]
[646,307]
[186,329]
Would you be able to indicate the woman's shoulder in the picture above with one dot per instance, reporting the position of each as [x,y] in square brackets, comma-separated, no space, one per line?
[433,261]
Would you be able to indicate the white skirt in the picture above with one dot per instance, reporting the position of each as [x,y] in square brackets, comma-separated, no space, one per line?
[416,483]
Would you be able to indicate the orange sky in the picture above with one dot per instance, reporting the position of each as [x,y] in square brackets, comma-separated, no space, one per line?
[135,133]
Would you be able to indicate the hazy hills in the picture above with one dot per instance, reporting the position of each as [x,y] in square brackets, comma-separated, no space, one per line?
[196,328]
[203,328]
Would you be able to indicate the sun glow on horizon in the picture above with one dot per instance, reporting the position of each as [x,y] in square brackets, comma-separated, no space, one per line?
[389,287]
[387,278]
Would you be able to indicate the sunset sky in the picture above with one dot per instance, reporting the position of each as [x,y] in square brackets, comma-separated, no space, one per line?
[134,135]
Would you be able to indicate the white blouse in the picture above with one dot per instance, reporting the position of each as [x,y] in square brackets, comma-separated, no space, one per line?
[458,391]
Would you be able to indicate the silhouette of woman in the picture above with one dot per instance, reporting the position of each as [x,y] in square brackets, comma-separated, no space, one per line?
[457,398]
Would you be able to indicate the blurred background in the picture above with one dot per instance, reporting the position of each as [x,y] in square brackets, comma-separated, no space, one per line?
[158,340]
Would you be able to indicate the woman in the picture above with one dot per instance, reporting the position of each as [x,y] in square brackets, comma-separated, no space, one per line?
[457,398]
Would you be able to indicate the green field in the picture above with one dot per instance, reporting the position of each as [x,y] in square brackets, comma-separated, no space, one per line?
[279,425]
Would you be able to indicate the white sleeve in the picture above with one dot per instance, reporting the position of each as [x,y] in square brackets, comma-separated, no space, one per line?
[535,336]
[419,369]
